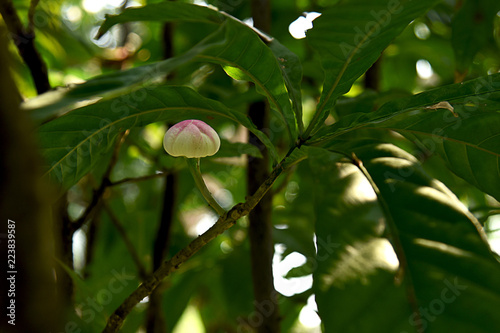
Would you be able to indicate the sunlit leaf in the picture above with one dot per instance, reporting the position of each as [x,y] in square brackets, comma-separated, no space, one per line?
[350,37]
[467,138]
[469,144]
[449,273]
[243,55]
[166,11]
[235,46]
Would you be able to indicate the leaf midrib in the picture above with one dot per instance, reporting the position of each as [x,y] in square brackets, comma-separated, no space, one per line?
[384,117]
[343,69]
[254,79]
[445,138]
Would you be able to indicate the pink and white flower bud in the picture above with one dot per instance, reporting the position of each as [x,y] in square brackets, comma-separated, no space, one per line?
[191,138]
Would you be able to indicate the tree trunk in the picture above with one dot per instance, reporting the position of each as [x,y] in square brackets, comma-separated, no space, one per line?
[30,285]
[260,227]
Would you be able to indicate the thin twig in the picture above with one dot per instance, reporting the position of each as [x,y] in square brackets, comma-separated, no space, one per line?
[128,243]
[96,196]
[137,179]
[224,222]
[87,214]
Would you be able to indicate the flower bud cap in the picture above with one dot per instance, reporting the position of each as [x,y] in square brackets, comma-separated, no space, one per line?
[191,138]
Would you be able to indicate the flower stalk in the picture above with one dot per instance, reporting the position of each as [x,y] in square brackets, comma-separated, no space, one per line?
[194,168]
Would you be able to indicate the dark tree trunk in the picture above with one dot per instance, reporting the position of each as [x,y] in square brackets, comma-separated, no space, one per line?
[155,320]
[24,208]
[260,227]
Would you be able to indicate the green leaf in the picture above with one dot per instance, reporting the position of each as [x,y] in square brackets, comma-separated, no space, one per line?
[297,155]
[472,28]
[350,37]
[482,94]
[72,144]
[165,12]
[236,149]
[291,69]
[450,275]
[245,57]
[234,45]
[75,278]
[177,296]
[469,143]
[293,211]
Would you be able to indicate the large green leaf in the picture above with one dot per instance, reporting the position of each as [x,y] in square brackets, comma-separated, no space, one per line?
[73,143]
[472,29]
[467,138]
[291,69]
[469,144]
[444,271]
[244,56]
[350,37]
[482,94]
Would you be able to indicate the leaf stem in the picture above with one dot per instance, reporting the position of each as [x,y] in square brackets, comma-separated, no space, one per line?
[194,168]
[226,221]
[105,183]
